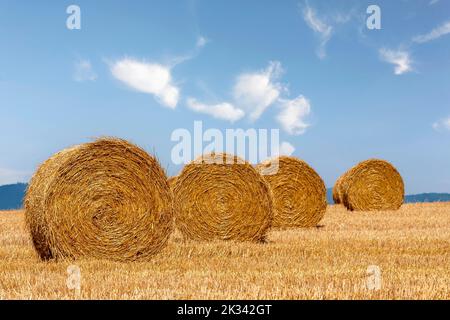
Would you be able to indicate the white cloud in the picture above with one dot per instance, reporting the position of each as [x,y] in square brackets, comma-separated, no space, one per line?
[84,72]
[443,124]
[399,58]
[201,42]
[293,114]
[432,2]
[253,93]
[325,25]
[320,27]
[225,111]
[256,91]
[434,34]
[286,149]
[8,176]
[151,78]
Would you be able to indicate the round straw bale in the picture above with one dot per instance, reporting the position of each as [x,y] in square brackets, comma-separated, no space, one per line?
[222,197]
[372,185]
[337,190]
[299,192]
[171,181]
[107,199]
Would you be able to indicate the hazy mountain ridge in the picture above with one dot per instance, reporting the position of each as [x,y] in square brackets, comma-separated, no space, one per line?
[413,198]
[11,196]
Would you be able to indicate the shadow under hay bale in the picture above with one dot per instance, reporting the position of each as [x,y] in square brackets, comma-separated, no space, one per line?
[371,185]
[299,193]
[222,197]
[107,199]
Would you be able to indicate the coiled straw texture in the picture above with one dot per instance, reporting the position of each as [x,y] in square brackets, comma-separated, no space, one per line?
[107,199]
[222,197]
[371,185]
[299,192]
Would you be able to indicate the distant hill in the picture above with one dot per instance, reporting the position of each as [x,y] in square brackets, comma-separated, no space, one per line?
[428,197]
[11,196]
[330,196]
[414,198]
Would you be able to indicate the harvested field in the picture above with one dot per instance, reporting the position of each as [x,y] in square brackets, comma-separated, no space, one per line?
[410,246]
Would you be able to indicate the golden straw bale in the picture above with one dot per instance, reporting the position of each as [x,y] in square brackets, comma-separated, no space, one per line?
[222,197]
[372,185]
[107,199]
[299,193]
[337,190]
[171,181]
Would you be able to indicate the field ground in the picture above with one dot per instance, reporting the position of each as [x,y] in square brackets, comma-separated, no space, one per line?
[411,247]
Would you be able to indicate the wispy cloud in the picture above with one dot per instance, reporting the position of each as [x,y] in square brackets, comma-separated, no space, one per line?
[224,110]
[199,45]
[442,124]
[292,117]
[255,91]
[151,78]
[402,58]
[83,71]
[319,26]
[434,34]
[433,2]
[325,25]
[10,176]
[399,58]
[201,42]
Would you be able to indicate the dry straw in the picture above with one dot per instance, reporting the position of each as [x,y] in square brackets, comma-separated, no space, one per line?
[298,191]
[172,181]
[337,190]
[371,185]
[107,199]
[222,197]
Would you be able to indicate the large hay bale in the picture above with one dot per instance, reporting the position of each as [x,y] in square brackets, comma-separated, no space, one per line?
[107,199]
[299,192]
[172,181]
[372,185]
[222,197]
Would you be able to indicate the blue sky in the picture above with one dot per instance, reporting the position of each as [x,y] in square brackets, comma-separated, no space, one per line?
[339,92]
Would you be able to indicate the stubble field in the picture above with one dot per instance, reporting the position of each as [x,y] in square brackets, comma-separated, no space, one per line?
[411,248]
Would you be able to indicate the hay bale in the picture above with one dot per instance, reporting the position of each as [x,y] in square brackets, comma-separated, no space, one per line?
[107,199]
[171,181]
[222,197]
[299,192]
[372,185]
[337,190]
